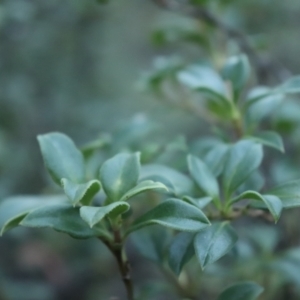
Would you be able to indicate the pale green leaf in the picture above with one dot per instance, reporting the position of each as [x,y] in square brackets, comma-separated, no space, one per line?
[291,86]
[268,138]
[199,202]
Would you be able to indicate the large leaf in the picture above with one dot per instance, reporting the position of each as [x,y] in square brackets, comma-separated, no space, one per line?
[144,186]
[181,251]
[289,193]
[214,242]
[273,203]
[173,213]
[177,183]
[269,138]
[61,157]
[61,217]
[120,174]
[80,192]
[237,70]
[242,291]
[13,210]
[93,215]
[244,157]
[203,176]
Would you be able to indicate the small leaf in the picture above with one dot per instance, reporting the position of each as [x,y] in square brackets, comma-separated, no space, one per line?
[93,215]
[242,291]
[272,202]
[289,193]
[244,157]
[13,210]
[198,202]
[142,187]
[214,242]
[80,192]
[173,213]
[203,176]
[291,86]
[181,251]
[120,174]
[237,70]
[270,139]
[61,157]
[61,217]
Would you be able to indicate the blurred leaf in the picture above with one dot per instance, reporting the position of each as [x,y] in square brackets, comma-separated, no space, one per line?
[291,86]
[88,149]
[93,215]
[269,138]
[173,213]
[203,176]
[81,192]
[143,187]
[244,157]
[198,202]
[237,70]
[61,157]
[61,217]
[273,203]
[214,242]
[181,251]
[120,174]
[242,291]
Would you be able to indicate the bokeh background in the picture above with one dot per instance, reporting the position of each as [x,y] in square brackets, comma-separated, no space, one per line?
[75,66]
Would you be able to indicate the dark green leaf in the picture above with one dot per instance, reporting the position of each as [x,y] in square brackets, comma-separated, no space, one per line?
[120,174]
[270,139]
[80,192]
[242,291]
[203,176]
[214,242]
[93,215]
[273,203]
[61,157]
[173,213]
[181,251]
[244,157]
[61,217]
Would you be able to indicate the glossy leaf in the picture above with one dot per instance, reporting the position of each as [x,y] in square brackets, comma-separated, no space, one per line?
[269,138]
[61,217]
[14,209]
[242,291]
[273,203]
[203,176]
[61,157]
[244,157]
[80,192]
[177,183]
[181,251]
[93,215]
[120,174]
[143,187]
[173,213]
[289,193]
[214,242]
[237,70]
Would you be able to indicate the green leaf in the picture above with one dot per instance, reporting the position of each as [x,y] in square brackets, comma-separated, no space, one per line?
[93,215]
[81,192]
[181,251]
[144,186]
[203,176]
[237,70]
[61,157]
[257,94]
[120,174]
[242,291]
[173,213]
[273,203]
[269,138]
[291,86]
[244,157]
[198,202]
[177,183]
[289,193]
[214,242]
[63,218]
[13,210]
